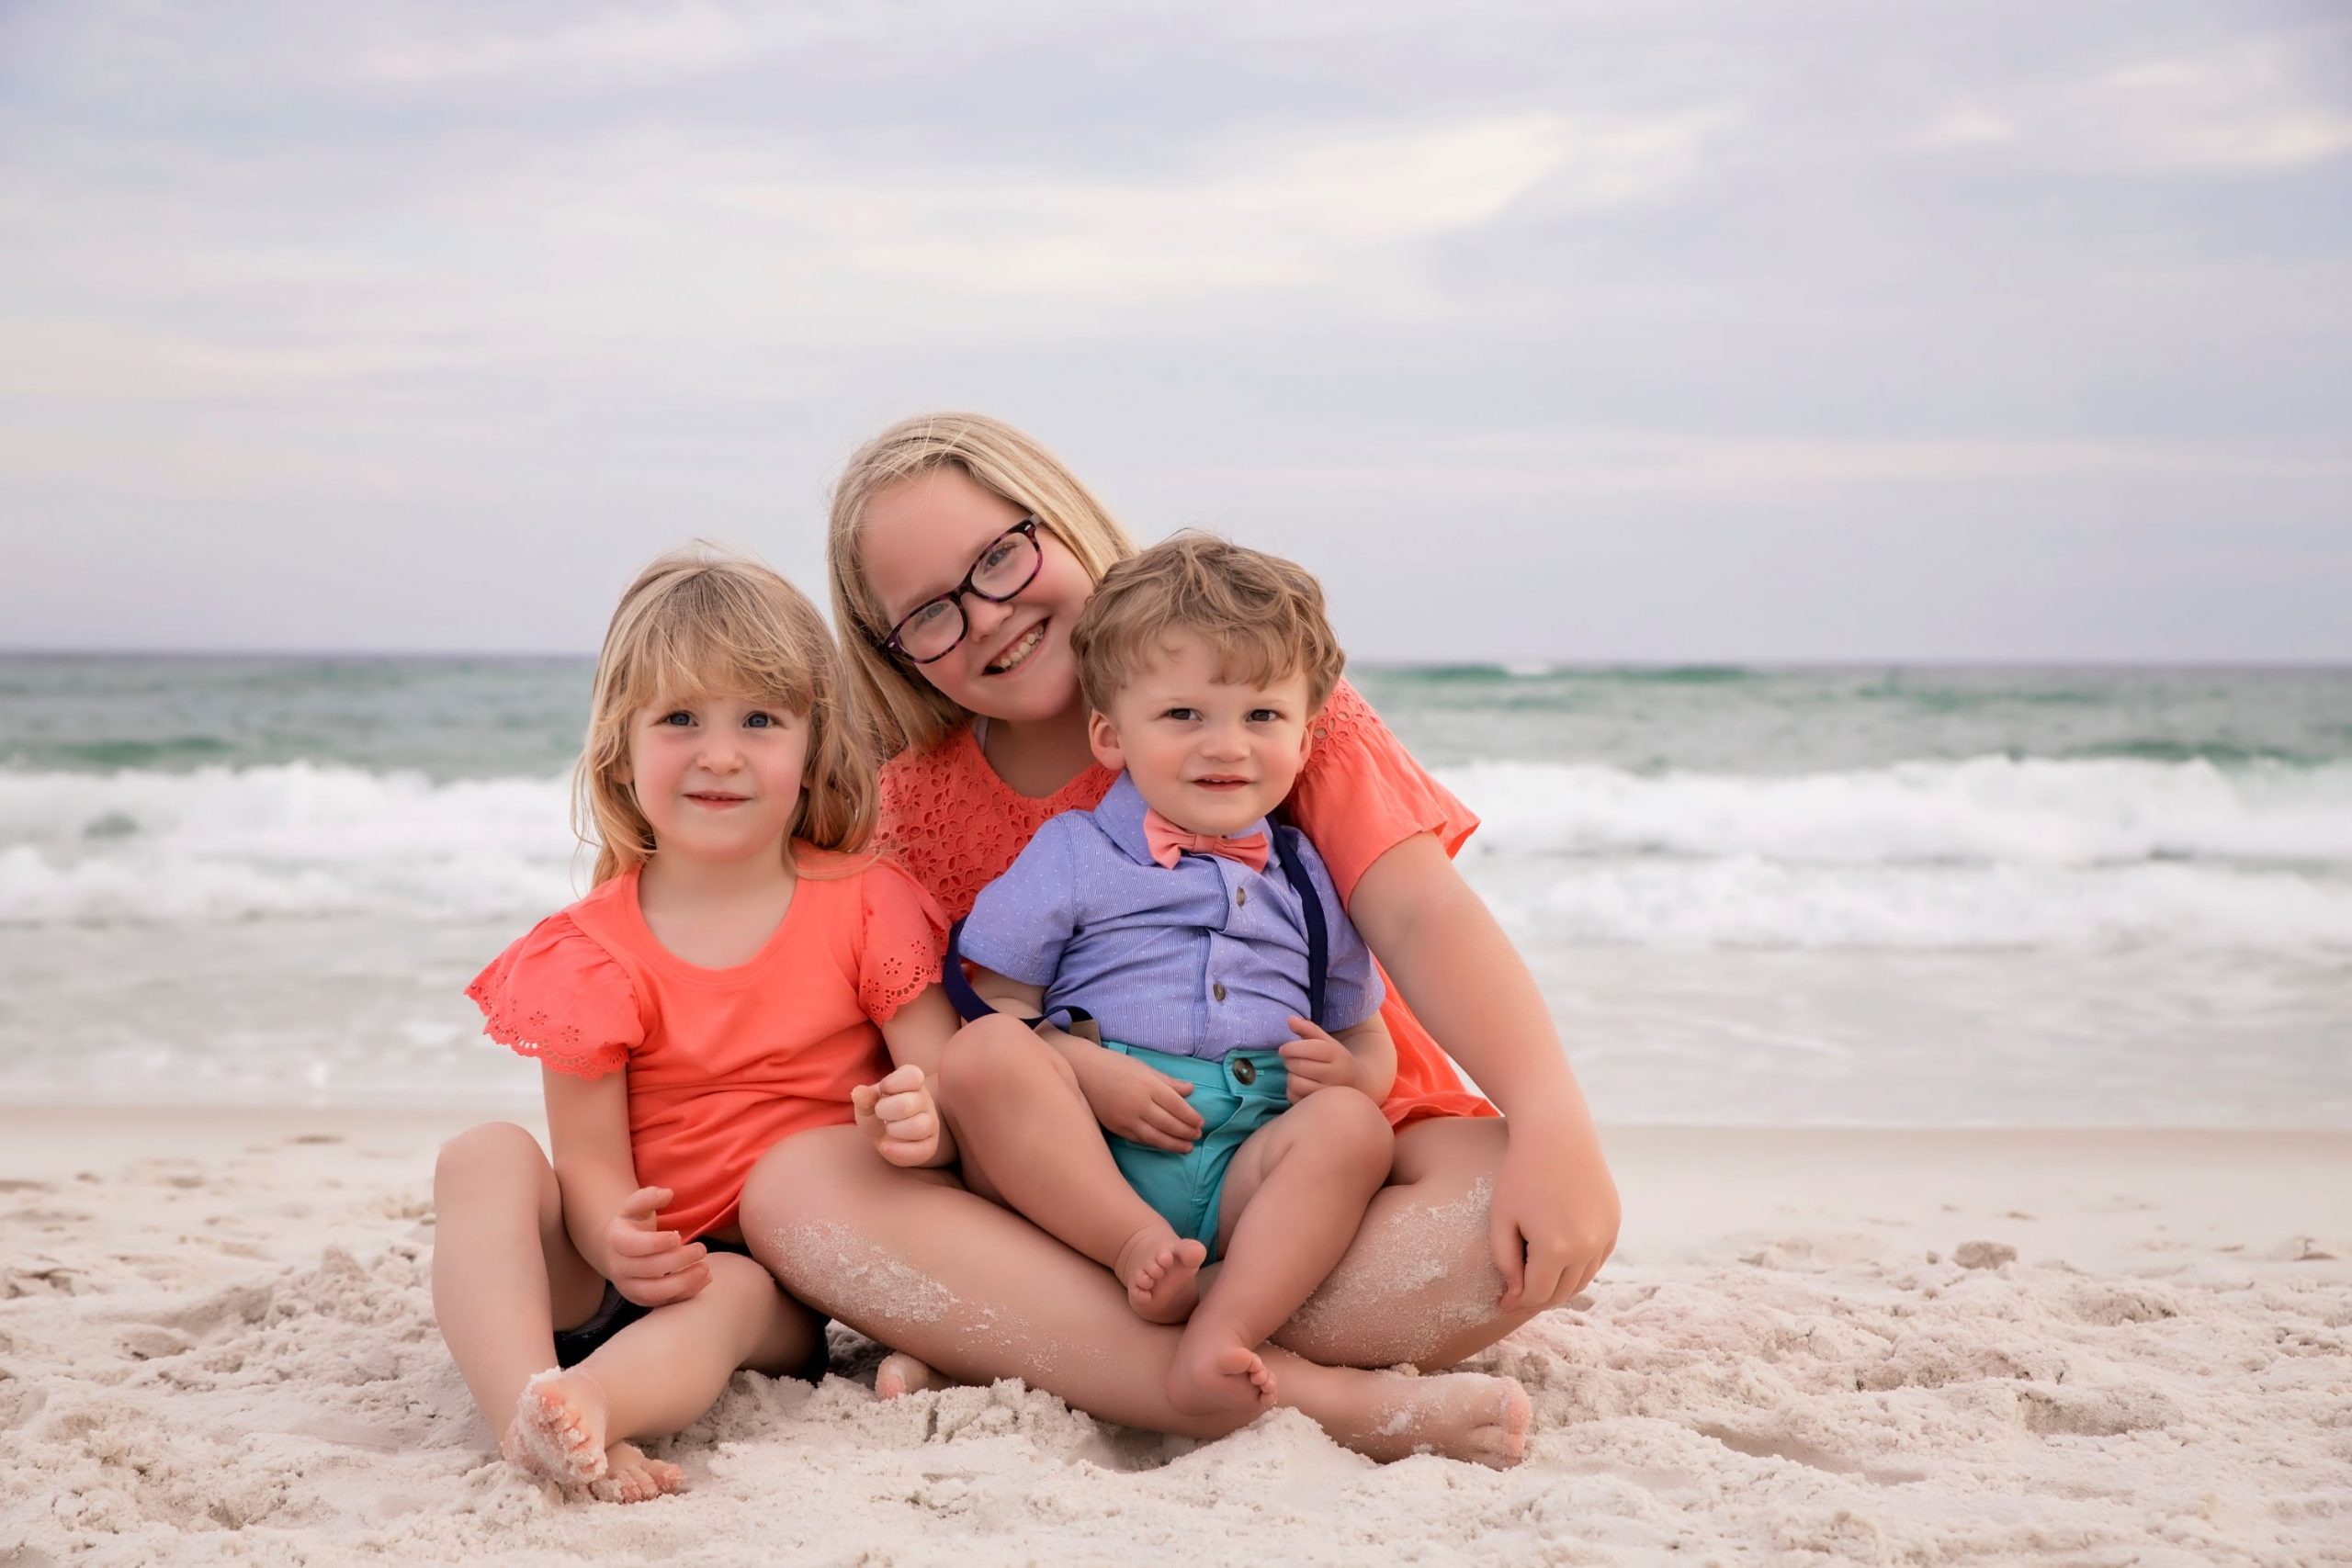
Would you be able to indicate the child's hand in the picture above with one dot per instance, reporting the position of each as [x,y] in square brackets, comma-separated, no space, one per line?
[901,1116]
[653,1267]
[1316,1060]
[1140,1105]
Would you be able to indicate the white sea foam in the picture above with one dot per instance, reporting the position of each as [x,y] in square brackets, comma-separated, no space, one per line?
[1985,810]
[1749,902]
[1985,853]
[288,840]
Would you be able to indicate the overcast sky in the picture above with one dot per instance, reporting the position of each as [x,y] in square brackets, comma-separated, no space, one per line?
[1641,331]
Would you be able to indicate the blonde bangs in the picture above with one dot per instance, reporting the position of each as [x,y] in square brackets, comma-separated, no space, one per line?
[711,637]
[699,623]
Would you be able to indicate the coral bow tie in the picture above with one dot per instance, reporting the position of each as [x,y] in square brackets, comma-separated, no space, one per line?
[1165,840]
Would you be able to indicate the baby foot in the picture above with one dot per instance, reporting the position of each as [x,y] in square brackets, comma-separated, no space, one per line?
[632,1477]
[1216,1372]
[559,1429]
[1464,1416]
[1160,1273]
[902,1373]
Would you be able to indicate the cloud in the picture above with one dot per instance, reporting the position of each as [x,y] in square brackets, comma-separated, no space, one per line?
[633,45]
[1672,463]
[1328,214]
[2244,107]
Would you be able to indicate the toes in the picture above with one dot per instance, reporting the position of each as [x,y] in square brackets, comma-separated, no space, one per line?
[901,1374]
[556,1434]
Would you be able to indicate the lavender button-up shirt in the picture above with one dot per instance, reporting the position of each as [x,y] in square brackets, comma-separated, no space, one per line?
[1199,959]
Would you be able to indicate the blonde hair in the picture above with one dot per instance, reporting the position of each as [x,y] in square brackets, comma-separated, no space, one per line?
[1263,615]
[906,711]
[700,622]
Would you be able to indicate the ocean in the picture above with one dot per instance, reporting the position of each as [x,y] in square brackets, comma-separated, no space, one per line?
[1805,897]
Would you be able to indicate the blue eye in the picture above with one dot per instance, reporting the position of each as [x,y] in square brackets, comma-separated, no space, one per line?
[678,716]
[1265,716]
[759,721]
[1181,715]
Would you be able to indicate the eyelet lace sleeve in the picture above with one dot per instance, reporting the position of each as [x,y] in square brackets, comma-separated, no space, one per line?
[1361,794]
[903,940]
[556,995]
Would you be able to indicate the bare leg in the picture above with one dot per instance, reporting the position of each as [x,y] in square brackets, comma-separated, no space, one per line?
[1028,1136]
[911,1259]
[1293,1196]
[663,1372]
[1418,1284]
[505,1274]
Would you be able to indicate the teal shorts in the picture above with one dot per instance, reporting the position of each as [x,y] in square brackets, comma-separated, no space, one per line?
[1234,1097]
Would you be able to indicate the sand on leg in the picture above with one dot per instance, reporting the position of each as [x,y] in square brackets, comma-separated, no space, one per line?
[505,1276]
[1418,1284]
[912,1259]
[663,1372]
[1294,1195]
[1029,1138]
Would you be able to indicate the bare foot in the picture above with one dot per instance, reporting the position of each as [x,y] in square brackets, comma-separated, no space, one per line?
[902,1373]
[1463,1415]
[1160,1273]
[1215,1372]
[559,1429]
[631,1477]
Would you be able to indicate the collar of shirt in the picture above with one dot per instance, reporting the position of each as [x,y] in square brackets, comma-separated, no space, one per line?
[1121,819]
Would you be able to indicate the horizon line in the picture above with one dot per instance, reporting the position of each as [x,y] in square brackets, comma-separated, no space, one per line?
[1501,663]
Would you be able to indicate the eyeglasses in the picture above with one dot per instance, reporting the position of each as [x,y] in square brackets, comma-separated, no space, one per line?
[933,628]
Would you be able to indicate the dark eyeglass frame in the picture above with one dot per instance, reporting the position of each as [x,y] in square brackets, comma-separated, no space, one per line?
[1027,528]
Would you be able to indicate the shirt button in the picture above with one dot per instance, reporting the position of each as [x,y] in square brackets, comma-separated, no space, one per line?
[1241,895]
[1217,990]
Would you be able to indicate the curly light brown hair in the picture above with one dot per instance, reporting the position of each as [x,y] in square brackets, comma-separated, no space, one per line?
[1263,615]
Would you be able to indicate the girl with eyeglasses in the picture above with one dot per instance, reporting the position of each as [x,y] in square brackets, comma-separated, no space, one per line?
[961,552]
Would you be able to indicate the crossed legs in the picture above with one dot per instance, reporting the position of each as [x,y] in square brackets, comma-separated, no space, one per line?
[505,1276]
[912,1259]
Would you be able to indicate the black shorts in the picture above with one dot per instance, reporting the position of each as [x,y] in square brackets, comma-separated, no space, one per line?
[616,1311]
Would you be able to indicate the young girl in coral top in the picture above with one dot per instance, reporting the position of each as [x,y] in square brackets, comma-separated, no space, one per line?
[960,535]
[741,975]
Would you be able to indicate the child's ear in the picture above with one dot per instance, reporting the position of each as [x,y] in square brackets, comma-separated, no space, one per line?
[1102,739]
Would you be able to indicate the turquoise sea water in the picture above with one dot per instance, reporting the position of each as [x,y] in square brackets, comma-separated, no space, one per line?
[1919,895]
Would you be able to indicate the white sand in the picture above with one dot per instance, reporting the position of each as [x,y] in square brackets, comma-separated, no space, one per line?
[215,1345]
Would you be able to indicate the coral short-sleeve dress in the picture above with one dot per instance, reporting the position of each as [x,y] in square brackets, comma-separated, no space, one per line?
[956,827]
[722,1063]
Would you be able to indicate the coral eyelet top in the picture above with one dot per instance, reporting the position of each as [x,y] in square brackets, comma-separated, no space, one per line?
[721,1063]
[957,827]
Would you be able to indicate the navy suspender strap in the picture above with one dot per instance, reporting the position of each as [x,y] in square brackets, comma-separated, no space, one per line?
[960,985]
[969,1004]
[1310,905]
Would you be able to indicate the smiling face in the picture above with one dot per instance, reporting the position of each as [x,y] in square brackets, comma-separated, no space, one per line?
[1211,756]
[717,777]
[919,536]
